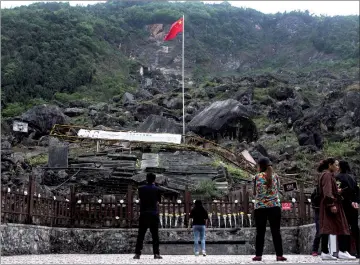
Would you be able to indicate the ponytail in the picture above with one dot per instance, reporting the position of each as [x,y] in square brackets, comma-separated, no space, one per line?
[265,166]
[324,164]
[268,176]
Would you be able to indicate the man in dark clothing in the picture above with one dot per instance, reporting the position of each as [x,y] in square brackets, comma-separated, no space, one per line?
[149,196]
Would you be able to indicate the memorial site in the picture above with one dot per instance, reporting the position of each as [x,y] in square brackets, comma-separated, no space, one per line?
[237,110]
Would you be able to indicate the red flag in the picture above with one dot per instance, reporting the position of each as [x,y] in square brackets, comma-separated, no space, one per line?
[175,29]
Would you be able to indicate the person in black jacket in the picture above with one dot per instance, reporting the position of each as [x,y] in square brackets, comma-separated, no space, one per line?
[315,203]
[349,190]
[198,218]
[149,196]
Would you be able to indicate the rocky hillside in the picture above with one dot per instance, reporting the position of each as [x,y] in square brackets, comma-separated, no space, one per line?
[53,51]
[105,66]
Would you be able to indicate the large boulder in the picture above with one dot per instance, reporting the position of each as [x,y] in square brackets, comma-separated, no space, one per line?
[42,118]
[102,118]
[128,98]
[310,128]
[72,112]
[159,124]
[351,100]
[356,117]
[286,111]
[143,110]
[282,93]
[225,119]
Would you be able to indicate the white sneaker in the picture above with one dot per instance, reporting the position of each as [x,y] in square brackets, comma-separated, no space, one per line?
[204,253]
[196,253]
[327,257]
[345,255]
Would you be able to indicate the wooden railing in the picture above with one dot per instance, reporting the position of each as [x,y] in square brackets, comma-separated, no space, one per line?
[112,211]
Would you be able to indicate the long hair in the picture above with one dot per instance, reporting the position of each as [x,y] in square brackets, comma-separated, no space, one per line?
[198,206]
[324,164]
[265,166]
[344,167]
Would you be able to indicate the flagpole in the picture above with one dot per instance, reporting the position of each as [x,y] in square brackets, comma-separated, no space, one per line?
[183,79]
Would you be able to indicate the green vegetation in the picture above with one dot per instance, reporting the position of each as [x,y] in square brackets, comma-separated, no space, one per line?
[53,49]
[261,122]
[38,160]
[206,188]
[16,108]
[232,170]
[281,141]
[340,149]
[260,93]
[82,120]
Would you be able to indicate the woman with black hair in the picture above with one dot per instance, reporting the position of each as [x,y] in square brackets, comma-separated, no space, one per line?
[198,218]
[349,191]
[267,207]
[332,216]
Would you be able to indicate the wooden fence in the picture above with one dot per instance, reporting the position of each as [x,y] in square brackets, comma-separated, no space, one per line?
[112,211]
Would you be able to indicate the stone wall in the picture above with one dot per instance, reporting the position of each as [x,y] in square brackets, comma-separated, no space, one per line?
[19,239]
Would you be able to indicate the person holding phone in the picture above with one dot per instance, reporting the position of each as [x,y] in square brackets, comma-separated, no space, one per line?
[332,216]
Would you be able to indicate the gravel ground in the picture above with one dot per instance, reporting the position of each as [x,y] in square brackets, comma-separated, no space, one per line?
[147,259]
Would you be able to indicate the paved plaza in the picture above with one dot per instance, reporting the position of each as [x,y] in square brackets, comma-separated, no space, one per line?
[171,259]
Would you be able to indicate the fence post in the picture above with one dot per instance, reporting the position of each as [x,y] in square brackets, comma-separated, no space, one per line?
[31,190]
[245,199]
[72,205]
[302,204]
[130,205]
[187,205]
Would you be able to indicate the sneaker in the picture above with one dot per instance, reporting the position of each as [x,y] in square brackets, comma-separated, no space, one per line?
[345,255]
[327,257]
[137,256]
[281,259]
[204,253]
[257,258]
[157,256]
[197,254]
[314,254]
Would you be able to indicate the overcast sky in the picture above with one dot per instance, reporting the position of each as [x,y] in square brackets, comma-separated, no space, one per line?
[330,8]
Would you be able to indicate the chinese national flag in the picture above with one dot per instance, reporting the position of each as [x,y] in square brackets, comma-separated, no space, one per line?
[175,29]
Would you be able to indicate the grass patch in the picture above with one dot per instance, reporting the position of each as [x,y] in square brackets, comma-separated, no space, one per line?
[340,149]
[232,170]
[261,122]
[281,141]
[260,93]
[16,108]
[206,188]
[313,96]
[82,121]
[38,160]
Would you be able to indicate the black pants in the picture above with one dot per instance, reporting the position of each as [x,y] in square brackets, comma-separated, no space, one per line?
[352,218]
[343,243]
[274,216]
[152,222]
[316,243]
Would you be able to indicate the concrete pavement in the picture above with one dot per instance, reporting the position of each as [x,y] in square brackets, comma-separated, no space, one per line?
[170,259]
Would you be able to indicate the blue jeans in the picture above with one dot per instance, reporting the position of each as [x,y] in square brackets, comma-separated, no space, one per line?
[199,230]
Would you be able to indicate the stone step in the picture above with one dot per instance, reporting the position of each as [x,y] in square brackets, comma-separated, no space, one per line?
[123,174]
[123,157]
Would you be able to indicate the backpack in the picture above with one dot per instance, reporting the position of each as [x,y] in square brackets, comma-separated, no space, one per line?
[316,197]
